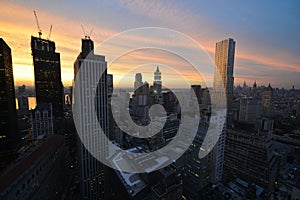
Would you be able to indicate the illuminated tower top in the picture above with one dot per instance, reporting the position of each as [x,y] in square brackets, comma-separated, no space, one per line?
[157,76]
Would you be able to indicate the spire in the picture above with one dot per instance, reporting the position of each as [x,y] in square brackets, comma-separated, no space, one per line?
[254,84]
[269,87]
[157,68]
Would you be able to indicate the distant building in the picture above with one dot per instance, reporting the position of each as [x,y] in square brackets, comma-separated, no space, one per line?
[138,81]
[23,103]
[42,121]
[140,103]
[249,110]
[198,92]
[267,102]
[22,90]
[254,92]
[8,115]
[47,74]
[206,96]
[157,86]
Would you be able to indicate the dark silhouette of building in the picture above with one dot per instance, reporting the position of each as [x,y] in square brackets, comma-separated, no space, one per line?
[39,172]
[8,115]
[47,74]
[198,91]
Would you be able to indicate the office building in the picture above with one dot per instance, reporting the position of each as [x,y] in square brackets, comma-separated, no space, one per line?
[249,155]
[42,121]
[91,171]
[267,102]
[47,74]
[8,115]
[138,81]
[198,91]
[249,110]
[157,86]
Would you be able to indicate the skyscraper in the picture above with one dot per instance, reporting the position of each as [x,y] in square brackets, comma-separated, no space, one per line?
[8,115]
[267,102]
[91,170]
[224,63]
[138,81]
[47,74]
[222,85]
[157,84]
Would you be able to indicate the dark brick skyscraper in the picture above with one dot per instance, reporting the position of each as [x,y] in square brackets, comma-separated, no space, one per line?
[8,116]
[47,74]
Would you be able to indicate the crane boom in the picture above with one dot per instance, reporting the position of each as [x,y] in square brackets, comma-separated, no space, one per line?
[50,32]
[38,25]
[83,31]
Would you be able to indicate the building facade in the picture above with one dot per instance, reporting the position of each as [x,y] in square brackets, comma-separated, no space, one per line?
[47,74]
[223,74]
[249,155]
[91,170]
[42,121]
[222,89]
[8,115]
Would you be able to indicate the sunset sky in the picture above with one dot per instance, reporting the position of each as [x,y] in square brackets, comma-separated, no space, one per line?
[266,33]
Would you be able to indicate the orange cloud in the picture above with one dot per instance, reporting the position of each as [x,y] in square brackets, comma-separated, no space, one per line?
[17,24]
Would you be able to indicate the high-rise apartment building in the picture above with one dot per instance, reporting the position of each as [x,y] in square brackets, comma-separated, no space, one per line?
[47,74]
[222,85]
[224,64]
[8,115]
[91,171]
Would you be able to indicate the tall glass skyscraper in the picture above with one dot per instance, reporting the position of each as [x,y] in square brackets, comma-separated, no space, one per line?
[223,75]
[222,85]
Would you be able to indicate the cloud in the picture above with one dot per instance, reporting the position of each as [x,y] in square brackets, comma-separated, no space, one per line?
[17,24]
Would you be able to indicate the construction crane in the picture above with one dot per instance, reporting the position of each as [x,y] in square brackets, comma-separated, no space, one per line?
[38,25]
[50,32]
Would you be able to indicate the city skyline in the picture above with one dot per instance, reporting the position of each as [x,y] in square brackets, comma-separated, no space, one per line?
[135,99]
[269,56]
